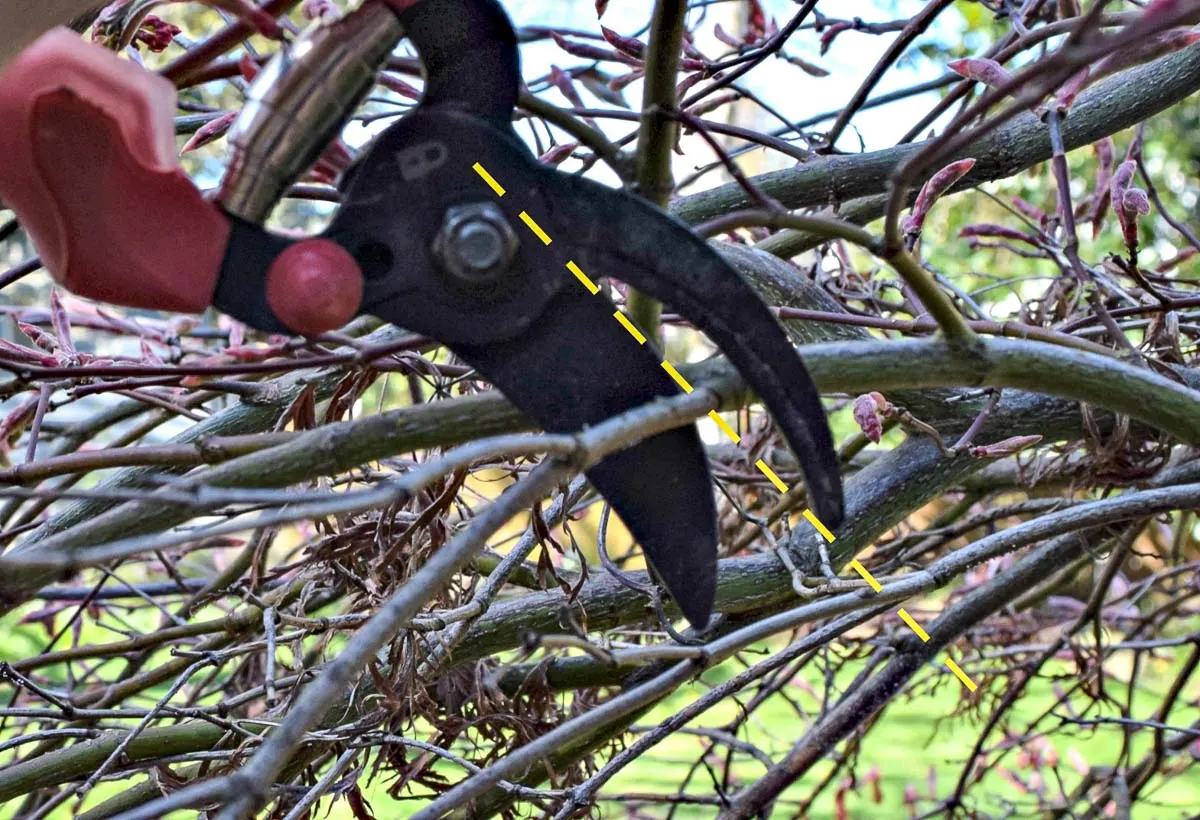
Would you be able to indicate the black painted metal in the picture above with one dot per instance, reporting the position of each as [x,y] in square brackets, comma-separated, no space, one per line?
[534,332]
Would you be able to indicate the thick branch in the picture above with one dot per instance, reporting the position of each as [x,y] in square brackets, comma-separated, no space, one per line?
[1112,105]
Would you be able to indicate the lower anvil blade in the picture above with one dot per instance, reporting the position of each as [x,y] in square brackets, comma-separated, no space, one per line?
[576,366]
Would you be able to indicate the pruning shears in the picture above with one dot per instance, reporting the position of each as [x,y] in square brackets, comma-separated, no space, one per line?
[448,227]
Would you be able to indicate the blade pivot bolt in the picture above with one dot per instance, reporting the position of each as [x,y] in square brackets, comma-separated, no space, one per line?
[476,243]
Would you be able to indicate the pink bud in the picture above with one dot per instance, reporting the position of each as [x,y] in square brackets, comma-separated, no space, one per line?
[16,421]
[39,337]
[1032,211]
[830,33]
[986,229]
[248,67]
[629,45]
[1120,181]
[398,86]
[148,355]
[725,37]
[619,83]
[937,185]
[866,414]
[558,154]
[688,82]
[1136,200]
[1006,447]
[981,70]
[27,355]
[156,33]
[61,323]
[591,52]
[563,82]
[212,130]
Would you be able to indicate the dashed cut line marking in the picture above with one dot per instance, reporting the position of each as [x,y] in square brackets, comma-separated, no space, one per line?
[630,326]
[913,625]
[677,376]
[771,476]
[724,426]
[811,518]
[536,228]
[489,179]
[960,674]
[583,278]
[866,576]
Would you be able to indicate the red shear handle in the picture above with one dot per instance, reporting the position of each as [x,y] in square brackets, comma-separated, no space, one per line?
[88,164]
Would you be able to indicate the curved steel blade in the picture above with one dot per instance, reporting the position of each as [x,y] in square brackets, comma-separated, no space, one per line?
[615,234]
[576,366]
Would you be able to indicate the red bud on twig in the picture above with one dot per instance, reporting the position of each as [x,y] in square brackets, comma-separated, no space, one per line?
[591,52]
[566,86]
[868,412]
[628,45]
[937,185]
[212,130]
[981,70]
[558,154]
[156,33]
[1005,448]
[61,323]
[39,337]
[1128,202]
[988,230]
[830,33]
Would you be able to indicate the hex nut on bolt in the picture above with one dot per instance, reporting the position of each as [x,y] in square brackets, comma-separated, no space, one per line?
[476,243]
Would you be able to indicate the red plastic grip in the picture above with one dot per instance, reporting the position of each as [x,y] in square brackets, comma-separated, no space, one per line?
[314,286]
[88,164]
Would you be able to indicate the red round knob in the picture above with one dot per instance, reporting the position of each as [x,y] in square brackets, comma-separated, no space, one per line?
[314,286]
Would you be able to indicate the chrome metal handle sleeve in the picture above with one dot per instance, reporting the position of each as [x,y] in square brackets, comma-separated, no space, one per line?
[299,102]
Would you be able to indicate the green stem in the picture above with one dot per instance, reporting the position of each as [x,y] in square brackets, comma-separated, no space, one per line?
[656,140]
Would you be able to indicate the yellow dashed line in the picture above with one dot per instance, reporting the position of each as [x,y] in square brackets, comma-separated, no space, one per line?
[866,576]
[677,376]
[724,425]
[770,474]
[583,278]
[912,624]
[489,179]
[961,675]
[821,528]
[536,228]
[725,428]
[628,325]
